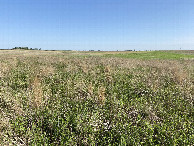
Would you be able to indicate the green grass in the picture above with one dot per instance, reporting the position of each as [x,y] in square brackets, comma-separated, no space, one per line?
[152,55]
[61,99]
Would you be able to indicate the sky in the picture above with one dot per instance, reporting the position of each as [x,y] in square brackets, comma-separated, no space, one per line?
[107,25]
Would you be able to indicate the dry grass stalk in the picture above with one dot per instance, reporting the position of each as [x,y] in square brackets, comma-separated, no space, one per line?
[37,92]
[101,95]
[90,89]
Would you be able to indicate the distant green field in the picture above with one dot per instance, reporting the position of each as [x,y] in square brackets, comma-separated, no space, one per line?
[152,55]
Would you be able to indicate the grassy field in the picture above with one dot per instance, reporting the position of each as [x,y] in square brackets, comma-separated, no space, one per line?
[96,98]
[154,55]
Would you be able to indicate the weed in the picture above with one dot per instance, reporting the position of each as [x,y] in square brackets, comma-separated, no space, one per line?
[57,98]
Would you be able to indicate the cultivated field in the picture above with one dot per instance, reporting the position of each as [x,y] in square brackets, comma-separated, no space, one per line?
[96,98]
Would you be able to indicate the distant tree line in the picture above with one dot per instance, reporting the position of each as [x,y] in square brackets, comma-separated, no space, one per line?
[25,48]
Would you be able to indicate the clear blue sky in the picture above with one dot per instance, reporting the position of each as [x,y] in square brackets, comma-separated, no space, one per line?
[97,24]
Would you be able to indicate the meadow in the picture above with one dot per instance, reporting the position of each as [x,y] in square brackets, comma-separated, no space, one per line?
[96,98]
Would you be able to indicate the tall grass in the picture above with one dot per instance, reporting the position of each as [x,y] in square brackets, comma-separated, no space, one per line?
[53,98]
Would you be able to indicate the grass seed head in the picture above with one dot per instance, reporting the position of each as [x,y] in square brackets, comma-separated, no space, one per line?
[101,95]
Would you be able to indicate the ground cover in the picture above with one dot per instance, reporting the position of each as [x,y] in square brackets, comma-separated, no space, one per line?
[56,97]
